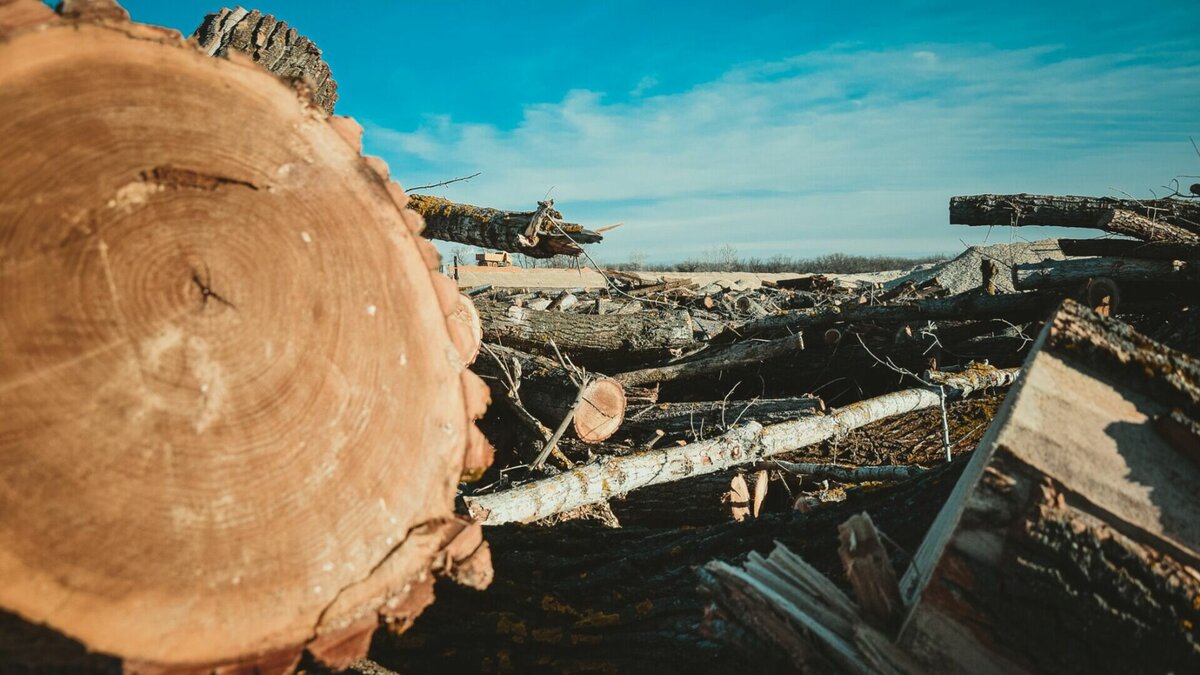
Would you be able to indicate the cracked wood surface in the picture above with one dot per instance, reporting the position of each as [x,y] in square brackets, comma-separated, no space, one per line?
[232,426]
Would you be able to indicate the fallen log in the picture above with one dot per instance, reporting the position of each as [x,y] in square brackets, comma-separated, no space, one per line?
[549,391]
[608,477]
[1075,272]
[587,339]
[848,474]
[1025,209]
[973,305]
[538,234]
[1126,248]
[906,440]
[698,419]
[735,356]
[272,44]
[210,462]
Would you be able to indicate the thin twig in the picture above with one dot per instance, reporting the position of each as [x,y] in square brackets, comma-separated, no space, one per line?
[445,182]
[562,428]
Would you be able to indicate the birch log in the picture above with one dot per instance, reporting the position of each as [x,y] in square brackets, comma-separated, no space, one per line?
[613,476]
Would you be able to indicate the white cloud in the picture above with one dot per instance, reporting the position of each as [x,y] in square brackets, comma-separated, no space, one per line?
[926,57]
[644,85]
[833,150]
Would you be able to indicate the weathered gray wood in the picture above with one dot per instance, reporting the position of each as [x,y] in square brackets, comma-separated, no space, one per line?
[870,573]
[1025,209]
[533,233]
[732,357]
[271,43]
[1075,272]
[587,339]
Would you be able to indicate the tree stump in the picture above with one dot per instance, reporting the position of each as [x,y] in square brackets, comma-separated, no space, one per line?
[234,410]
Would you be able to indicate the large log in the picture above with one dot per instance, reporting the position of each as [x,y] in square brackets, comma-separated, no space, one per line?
[232,426]
[1025,209]
[549,391]
[745,444]
[537,234]
[271,43]
[1078,271]
[587,339]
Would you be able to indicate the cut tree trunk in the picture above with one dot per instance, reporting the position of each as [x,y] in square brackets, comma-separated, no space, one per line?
[232,427]
[548,390]
[537,234]
[274,45]
[1024,209]
[587,339]
[1075,272]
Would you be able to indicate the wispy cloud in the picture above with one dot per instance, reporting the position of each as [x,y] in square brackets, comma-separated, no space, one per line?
[841,149]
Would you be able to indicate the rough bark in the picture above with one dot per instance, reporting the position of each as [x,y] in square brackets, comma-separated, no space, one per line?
[745,444]
[736,356]
[207,460]
[533,233]
[574,598]
[1075,272]
[976,305]
[713,417]
[1025,209]
[588,340]
[274,45]
[548,391]
[1072,547]
[1125,248]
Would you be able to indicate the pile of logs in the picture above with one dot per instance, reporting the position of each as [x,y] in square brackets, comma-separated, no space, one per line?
[212,460]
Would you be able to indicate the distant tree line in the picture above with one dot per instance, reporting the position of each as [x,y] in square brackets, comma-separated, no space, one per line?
[726,259]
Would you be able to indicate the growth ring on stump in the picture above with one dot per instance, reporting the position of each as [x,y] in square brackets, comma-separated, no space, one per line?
[233,418]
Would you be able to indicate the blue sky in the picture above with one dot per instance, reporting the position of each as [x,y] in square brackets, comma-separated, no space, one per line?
[777,127]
